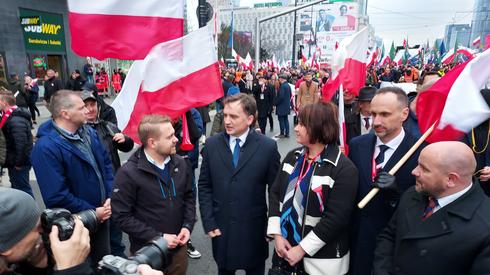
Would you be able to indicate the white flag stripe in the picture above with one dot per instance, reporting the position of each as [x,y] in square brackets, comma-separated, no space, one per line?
[465,92]
[127,97]
[157,76]
[348,49]
[128,7]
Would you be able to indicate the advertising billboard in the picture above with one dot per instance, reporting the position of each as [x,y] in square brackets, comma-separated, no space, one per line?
[325,25]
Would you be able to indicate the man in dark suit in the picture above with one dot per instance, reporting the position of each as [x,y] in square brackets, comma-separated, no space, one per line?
[237,166]
[264,96]
[283,106]
[442,226]
[360,122]
[373,153]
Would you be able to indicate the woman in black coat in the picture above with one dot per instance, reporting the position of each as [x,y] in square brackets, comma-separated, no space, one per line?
[313,197]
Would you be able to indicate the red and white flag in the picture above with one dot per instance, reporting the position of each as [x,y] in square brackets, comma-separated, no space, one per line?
[348,65]
[342,129]
[476,42]
[248,62]
[455,100]
[173,78]
[123,29]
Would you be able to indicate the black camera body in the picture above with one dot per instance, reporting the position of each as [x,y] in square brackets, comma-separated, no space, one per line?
[155,254]
[65,222]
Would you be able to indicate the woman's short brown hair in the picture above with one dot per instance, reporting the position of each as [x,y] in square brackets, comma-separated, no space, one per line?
[320,121]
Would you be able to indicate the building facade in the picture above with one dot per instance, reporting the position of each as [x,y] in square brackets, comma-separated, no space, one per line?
[34,37]
[480,25]
[457,33]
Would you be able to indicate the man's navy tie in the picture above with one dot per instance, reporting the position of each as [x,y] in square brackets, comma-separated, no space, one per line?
[236,152]
[381,156]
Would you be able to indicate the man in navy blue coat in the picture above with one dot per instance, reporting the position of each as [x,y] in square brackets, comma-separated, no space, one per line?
[372,154]
[237,166]
[72,167]
[283,106]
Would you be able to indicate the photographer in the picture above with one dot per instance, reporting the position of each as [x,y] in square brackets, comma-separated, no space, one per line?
[22,250]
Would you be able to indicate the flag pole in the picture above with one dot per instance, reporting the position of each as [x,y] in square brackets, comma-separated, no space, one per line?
[395,168]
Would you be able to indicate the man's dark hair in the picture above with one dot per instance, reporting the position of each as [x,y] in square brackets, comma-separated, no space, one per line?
[320,120]
[401,96]
[247,101]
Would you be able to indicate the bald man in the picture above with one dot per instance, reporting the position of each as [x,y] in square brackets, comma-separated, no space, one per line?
[442,225]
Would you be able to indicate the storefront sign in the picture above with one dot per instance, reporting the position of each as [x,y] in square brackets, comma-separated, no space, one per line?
[42,31]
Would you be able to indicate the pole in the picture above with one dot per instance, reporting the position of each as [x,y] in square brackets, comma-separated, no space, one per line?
[293,55]
[202,13]
[263,19]
[257,44]
[395,168]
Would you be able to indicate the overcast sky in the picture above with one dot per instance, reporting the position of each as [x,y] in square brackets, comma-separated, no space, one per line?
[417,20]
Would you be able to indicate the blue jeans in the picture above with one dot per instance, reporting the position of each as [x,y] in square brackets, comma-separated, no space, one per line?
[283,125]
[20,179]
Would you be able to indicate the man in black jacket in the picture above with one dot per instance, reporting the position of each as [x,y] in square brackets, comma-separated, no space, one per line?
[51,85]
[76,81]
[113,140]
[264,96]
[442,226]
[18,91]
[16,127]
[152,194]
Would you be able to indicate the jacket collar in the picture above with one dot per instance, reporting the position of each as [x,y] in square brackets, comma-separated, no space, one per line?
[330,154]
[144,165]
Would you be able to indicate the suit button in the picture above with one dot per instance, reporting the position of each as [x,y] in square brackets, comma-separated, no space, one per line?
[423,252]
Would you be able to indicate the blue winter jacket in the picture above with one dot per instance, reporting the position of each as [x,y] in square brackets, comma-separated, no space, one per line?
[64,174]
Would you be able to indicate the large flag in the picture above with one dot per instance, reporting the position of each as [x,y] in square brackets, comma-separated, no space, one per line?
[123,29]
[173,78]
[348,65]
[455,100]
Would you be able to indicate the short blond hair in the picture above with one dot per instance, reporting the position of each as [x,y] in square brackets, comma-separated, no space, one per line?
[148,127]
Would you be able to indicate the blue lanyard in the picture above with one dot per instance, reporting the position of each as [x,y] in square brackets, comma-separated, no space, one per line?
[163,191]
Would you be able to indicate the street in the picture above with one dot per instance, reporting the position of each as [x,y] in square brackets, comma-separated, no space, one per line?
[206,264]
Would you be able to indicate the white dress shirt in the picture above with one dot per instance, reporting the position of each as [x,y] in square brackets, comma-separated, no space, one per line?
[441,202]
[392,146]
[242,138]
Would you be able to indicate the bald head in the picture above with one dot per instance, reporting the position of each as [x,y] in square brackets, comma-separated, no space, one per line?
[453,156]
[444,168]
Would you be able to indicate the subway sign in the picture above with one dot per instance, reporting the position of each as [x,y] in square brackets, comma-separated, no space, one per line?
[43,31]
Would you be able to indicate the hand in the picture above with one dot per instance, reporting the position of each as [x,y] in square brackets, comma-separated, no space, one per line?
[184,236]
[119,138]
[385,181]
[145,269]
[214,233]
[73,251]
[485,173]
[282,246]
[294,255]
[172,240]
[105,211]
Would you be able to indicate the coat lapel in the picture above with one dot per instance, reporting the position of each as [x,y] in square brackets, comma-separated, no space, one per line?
[225,152]
[248,149]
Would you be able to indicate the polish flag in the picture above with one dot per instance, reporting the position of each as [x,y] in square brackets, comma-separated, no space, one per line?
[476,42]
[342,129]
[455,100]
[123,29]
[348,65]
[449,57]
[385,60]
[248,62]
[172,79]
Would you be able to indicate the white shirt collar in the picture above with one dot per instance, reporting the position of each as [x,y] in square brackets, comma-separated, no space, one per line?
[450,198]
[152,161]
[242,138]
[394,143]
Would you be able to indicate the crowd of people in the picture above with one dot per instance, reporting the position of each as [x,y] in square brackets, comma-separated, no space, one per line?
[432,211]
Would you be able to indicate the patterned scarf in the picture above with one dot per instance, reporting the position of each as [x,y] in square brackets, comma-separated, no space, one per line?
[6,115]
[295,199]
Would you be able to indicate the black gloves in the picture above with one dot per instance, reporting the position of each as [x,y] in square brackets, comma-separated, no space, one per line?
[385,182]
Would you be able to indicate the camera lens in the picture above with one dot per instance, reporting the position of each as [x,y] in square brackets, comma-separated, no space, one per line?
[89,220]
[155,254]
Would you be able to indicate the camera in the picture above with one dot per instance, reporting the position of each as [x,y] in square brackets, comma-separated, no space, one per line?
[154,254]
[65,222]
